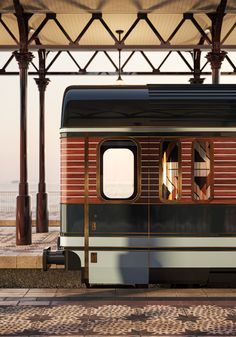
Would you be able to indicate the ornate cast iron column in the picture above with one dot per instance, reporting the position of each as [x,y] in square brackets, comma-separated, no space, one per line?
[23,57]
[216,57]
[41,208]
[23,209]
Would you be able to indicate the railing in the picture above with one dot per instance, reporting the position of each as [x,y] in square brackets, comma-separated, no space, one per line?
[8,205]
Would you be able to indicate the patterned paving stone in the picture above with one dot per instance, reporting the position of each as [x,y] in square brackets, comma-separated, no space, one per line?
[37,303]
[6,303]
[118,320]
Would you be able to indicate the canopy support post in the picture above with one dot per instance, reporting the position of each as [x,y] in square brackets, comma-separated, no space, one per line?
[42,200]
[23,57]
[23,207]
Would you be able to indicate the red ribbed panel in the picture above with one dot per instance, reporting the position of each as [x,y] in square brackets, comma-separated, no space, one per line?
[72,170]
[186,157]
[92,170]
[225,170]
[149,152]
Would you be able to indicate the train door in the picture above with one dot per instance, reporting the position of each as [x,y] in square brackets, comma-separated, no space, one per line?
[117,224]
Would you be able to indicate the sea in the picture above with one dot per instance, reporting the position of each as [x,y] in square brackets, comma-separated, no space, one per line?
[9,192]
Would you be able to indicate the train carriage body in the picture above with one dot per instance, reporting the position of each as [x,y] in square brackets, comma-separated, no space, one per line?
[148,183]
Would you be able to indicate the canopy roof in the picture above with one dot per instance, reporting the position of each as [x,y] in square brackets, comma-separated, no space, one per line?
[92,24]
[118,7]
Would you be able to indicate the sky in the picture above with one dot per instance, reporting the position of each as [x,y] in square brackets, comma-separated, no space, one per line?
[9,117]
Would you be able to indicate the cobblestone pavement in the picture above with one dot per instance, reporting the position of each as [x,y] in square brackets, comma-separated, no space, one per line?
[117,312]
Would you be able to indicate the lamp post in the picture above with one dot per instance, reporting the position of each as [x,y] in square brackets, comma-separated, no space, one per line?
[41,207]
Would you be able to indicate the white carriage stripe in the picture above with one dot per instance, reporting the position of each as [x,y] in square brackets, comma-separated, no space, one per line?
[149,129]
[224,197]
[72,161]
[62,179]
[68,190]
[225,160]
[229,184]
[224,154]
[225,167]
[219,178]
[72,167]
[72,155]
[163,242]
[222,191]
[74,241]
[64,141]
[64,182]
[224,172]
[80,172]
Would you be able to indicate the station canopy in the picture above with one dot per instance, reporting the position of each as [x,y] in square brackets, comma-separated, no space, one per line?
[86,24]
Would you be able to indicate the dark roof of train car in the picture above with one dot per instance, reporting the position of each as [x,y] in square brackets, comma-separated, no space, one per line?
[178,104]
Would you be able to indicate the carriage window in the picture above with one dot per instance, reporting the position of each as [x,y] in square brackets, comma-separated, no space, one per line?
[202,175]
[118,169]
[170,171]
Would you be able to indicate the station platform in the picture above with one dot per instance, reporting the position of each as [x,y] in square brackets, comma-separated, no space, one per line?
[118,312]
[22,267]
[24,257]
[49,309]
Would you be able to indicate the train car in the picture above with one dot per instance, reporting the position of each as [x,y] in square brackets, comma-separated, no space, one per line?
[148,183]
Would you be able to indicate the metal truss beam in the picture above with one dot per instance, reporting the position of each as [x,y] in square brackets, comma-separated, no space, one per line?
[196,67]
[214,44]
[231,63]
[183,47]
[114,73]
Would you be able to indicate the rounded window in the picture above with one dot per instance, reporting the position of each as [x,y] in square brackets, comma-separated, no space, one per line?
[118,169]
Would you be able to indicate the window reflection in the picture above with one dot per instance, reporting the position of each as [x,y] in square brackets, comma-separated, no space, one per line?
[202,170]
[170,170]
